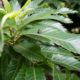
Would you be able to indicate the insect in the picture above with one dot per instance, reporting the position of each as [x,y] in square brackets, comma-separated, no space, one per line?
[39,31]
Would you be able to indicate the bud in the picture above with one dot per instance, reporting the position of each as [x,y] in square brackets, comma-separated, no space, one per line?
[62,4]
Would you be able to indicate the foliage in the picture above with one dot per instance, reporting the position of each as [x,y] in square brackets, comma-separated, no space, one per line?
[72,4]
[33,42]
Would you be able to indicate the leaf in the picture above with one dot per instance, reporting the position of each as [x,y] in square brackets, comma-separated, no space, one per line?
[4,63]
[74,77]
[66,61]
[33,4]
[21,74]
[10,16]
[51,23]
[30,73]
[60,56]
[12,69]
[1,15]
[10,23]
[58,12]
[65,11]
[50,50]
[9,65]
[58,75]
[35,73]
[7,6]
[29,51]
[2,11]
[58,18]
[15,7]
[66,40]
[27,2]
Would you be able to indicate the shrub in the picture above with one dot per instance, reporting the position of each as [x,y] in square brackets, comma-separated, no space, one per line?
[35,45]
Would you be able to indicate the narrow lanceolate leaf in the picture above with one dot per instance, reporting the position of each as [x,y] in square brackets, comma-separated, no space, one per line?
[15,7]
[66,11]
[60,56]
[9,66]
[66,40]
[66,61]
[7,5]
[58,75]
[74,77]
[28,1]
[2,10]
[12,69]
[58,18]
[53,24]
[50,50]
[35,73]
[4,64]
[29,51]
[21,74]
[30,73]
[33,4]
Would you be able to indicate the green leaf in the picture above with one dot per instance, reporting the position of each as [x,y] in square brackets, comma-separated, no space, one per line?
[9,66]
[2,11]
[65,11]
[21,74]
[33,4]
[29,51]
[12,69]
[60,11]
[50,50]
[66,61]
[1,15]
[15,7]
[35,73]
[10,23]
[4,63]
[74,77]
[66,40]
[50,23]
[58,75]
[30,73]
[58,18]
[27,2]
[60,56]
[7,6]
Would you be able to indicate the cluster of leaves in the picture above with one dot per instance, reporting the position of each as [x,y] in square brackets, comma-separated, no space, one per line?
[73,4]
[33,42]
